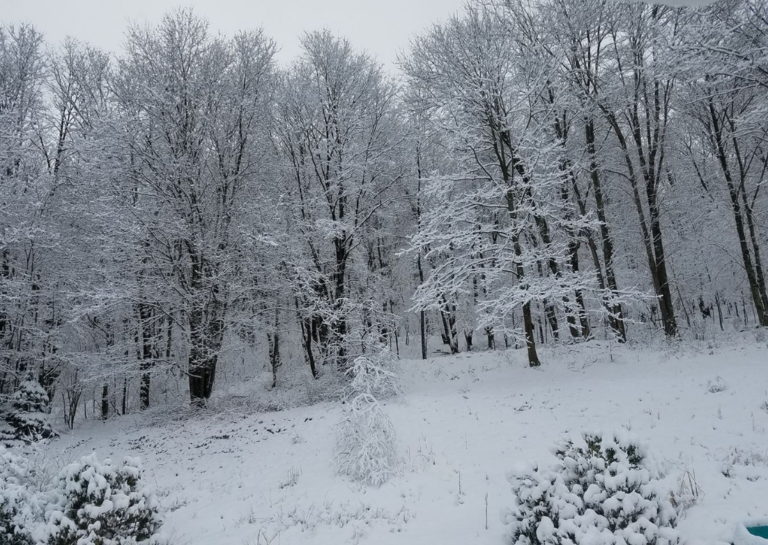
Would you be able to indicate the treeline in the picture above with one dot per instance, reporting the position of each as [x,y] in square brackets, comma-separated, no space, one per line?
[538,172]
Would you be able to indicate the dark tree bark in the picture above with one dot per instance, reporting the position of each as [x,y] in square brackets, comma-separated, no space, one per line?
[148,352]
[419,265]
[105,401]
[423,332]
[206,328]
[273,340]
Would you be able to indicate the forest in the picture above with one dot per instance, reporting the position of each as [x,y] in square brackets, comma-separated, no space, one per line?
[189,211]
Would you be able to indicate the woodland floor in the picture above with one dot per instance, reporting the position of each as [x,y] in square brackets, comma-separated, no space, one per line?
[231,476]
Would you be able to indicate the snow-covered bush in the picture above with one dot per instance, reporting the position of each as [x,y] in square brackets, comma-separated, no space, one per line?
[366,444]
[600,492]
[16,503]
[687,492]
[28,413]
[100,504]
[716,385]
[374,374]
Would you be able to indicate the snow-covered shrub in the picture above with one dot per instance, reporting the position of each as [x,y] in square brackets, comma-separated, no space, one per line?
[717,385]
[365,445]
[687,492]
[17,506]
[600,492]
[100,504]
[28,413]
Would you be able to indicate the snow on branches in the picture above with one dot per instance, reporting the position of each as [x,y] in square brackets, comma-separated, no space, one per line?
[366,443]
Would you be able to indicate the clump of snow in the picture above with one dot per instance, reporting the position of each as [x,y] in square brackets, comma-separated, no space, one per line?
[600,492]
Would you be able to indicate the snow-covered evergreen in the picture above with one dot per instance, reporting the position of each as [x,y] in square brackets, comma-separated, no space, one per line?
[17,504]
[28,415]
[601,491]
[99,503]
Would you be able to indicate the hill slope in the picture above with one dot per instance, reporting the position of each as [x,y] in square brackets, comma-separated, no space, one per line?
[463,422]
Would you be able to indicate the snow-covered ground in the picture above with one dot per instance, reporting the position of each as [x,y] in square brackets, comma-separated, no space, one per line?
[463,422]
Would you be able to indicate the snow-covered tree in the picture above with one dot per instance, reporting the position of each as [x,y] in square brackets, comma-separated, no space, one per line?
[556,170]
[17,508]
[366,448]
[335,127]
[728,101]
[192,110]
[28,415]
[98,503]
[496,225]
[601,490]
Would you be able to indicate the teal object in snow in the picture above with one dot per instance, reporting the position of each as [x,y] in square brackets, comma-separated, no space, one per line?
[759,531]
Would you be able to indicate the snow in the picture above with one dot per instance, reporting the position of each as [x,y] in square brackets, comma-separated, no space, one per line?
[229,476]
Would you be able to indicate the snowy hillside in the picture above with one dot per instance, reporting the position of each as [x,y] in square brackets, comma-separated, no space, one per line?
[463,422]
[511,290]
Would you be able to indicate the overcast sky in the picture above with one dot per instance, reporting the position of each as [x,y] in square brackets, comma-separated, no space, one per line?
[381,27]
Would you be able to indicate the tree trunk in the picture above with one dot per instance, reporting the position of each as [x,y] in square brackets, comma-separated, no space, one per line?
[206,329]
[651,228]
[422,315]
[147,353]
[530,340]
[105,401]
[273,340]
[339,324]
[448,317]
[616,315]
[306,336]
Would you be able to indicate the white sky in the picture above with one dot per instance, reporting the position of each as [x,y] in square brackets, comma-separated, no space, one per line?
[381,27]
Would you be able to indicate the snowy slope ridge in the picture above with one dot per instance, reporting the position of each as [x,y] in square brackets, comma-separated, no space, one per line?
[463,423]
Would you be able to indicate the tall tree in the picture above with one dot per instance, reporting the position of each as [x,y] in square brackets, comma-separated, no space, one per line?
[193,108]
[335,122]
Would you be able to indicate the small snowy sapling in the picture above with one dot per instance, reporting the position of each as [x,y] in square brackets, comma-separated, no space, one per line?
[365,445]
